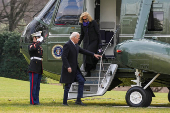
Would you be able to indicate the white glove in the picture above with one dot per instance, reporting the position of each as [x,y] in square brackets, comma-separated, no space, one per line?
[40,39]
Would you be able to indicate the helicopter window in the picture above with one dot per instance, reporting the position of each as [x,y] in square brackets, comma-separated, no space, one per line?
[48,15]
[155,22]
[69,12]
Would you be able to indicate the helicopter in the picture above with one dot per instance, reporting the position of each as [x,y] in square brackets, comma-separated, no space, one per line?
[135,38]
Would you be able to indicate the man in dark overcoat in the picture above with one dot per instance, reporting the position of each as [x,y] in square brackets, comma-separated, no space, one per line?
[35,68]
[70,69]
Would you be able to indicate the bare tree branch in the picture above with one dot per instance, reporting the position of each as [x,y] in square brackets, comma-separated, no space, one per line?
[5,7]
[13,11]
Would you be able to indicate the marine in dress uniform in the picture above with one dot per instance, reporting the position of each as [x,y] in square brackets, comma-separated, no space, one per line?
[35,68]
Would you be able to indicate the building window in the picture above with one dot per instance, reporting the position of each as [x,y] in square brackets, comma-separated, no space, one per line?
[155,22]
[69,12]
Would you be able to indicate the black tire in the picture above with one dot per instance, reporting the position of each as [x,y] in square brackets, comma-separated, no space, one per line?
[149,97]
[169,96]
[136,97]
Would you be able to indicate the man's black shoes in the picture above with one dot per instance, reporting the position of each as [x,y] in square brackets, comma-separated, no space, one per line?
[80,103]
[65,104]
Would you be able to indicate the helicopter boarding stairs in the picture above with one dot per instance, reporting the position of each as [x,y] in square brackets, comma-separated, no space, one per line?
[102,79]
[98,83]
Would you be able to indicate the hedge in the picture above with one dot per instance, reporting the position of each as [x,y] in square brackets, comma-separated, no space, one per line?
[12,62]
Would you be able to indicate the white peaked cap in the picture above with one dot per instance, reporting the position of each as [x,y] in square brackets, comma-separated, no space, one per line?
[36,33]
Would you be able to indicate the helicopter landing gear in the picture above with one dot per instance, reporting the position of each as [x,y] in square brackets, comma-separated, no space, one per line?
[136,97]
[169,94]
[139,96]
[149,97]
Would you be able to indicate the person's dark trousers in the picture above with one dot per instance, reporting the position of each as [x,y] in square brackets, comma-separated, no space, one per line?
[35,80]
[66,90]
[81,81]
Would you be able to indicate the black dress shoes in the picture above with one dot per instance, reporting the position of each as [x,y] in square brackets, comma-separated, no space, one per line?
[88,74]
[36,104]
[65,104]
[80,103]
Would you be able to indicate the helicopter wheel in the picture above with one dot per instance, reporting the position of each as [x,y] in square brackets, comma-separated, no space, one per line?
[149,97]
[169,96]
[137,97]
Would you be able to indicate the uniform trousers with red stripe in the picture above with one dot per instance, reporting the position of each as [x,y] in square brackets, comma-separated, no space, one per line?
[35,80]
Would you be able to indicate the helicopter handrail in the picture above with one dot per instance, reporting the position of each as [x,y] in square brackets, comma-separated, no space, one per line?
[110,40]
[101,62]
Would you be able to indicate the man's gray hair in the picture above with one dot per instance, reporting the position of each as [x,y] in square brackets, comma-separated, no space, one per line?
[74,34]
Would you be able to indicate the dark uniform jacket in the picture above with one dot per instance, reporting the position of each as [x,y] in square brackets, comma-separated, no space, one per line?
[91,39]
[69,58]
[35,51]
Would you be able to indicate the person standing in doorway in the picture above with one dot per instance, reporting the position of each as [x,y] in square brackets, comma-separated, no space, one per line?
[90,35]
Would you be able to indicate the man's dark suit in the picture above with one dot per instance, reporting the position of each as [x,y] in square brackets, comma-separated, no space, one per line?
[69,58]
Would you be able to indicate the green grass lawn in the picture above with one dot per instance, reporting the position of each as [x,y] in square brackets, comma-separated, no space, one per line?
[14,97]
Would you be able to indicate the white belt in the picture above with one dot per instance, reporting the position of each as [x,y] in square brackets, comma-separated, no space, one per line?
[38,58]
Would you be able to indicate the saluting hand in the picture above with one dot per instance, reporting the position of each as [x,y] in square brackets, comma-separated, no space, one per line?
[97,56]
[69,69]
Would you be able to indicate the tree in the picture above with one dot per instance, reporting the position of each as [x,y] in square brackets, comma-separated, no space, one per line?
[12,63]
[157,25]
[13,11]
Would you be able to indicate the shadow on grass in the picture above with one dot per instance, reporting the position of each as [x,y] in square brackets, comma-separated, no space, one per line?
[89,103]
[71,103]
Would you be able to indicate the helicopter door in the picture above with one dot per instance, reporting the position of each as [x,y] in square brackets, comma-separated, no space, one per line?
[108,25]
